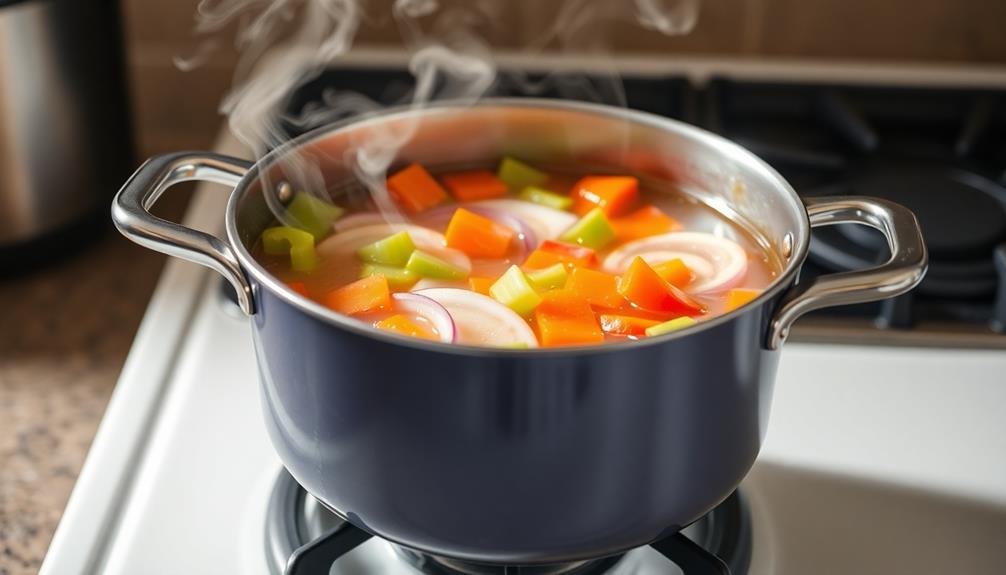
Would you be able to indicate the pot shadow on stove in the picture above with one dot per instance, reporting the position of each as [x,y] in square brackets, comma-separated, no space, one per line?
[812,522]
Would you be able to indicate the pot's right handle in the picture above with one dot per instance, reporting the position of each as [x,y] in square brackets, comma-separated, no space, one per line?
[131,213]
[896,276]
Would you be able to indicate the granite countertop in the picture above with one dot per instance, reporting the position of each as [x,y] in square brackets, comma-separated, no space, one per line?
[65,331]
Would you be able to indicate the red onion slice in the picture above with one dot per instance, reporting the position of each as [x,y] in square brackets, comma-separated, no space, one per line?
[439,218]
[481,320]
[429,310]
[425,239]
[718,263]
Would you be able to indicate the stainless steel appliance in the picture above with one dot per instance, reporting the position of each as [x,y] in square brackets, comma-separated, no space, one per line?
[64,134]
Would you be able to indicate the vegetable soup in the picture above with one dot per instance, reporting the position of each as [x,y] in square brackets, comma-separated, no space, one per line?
[518,257]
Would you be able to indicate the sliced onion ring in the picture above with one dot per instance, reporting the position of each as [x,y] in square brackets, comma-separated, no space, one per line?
[425,239]
[439,217]
[429,309]
[481,320]
[546,223]
[718,263]
[358,220]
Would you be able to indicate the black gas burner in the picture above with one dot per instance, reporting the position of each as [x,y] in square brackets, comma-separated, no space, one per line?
[305,538]
[941,152]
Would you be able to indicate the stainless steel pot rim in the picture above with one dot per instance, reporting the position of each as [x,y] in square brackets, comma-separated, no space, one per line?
[264,278]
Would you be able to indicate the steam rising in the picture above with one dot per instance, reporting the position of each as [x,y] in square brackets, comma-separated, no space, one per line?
[287,43]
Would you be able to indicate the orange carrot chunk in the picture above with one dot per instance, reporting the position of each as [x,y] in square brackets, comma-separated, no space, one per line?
[298,287]
[481,285]
[582,253]
[613,194]
[738,297]
[675,272]
[415,189]
[399,323]
[626,324]
[596,288]
[368,294]
[648,221]
[642,286]
[540,259]
[478,236]
[564,319]
[474,185]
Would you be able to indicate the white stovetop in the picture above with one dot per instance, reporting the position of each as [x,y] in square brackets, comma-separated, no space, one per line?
[877,460]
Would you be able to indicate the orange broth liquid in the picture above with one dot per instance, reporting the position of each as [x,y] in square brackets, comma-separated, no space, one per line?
[692,215]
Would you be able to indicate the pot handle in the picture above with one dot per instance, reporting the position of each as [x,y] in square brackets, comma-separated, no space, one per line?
[132,217]
[902,272]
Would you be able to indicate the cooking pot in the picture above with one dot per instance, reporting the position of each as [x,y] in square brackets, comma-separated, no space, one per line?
[521,456]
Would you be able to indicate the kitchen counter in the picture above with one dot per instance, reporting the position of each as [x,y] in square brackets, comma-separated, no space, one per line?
[64,334]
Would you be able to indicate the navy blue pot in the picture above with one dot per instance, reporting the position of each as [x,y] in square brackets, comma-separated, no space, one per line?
[521,456]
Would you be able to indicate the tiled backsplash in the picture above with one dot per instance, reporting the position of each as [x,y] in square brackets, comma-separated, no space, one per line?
[175,109]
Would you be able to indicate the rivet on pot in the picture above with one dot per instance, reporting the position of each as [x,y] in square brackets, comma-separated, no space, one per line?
[284,191]
[787,246]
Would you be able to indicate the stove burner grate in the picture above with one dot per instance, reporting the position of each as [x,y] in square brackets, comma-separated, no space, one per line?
[305,538]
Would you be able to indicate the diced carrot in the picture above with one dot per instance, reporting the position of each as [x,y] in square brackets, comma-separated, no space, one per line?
[415,189]
[596,288]
[474,185]
[648,221]
[626,324]
[582,253]
[552,252]
[478,236]
[613,194]
[642,286]
[674,272]
[738,297]
[367,294]
[298,287]
[564,319]
[399,323]
[480,285]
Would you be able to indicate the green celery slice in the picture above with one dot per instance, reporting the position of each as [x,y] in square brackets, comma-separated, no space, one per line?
[393,250]
[669,326]
[552,277]
[546,198]
[428,266]
[517,175]
[592,230]
[298,244]
[514,291]
[513,345]
[399,278]
[313,215]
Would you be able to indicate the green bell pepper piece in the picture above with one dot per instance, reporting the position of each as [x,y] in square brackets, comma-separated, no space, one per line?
[312,214]
[393,250]
[552,277]
[592,230]
[514,291]
[428,266]
[669,326]
[546,198]
[517,175]
[399,278]
[298,244]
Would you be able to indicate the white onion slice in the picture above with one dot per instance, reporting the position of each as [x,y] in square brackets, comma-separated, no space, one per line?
[430,310]
[718,263]
[430,283]
[546,223]
[481,320]
[425,239]
[358,220]
[439,217]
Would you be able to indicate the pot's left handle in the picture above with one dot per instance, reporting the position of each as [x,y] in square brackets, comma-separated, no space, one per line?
[131,213]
